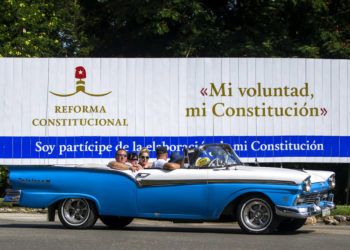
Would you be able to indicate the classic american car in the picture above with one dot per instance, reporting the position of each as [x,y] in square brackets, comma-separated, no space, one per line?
[213,185]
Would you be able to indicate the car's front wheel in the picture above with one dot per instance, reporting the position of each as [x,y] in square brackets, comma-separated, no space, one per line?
[256,215]
[290,224]
[116,222]
[77,213]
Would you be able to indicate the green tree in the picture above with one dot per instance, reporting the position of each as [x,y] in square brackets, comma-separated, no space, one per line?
[255,28]
[176,28]
[42,28]
[3,180]
[150,28]
[285,28]
[336,43]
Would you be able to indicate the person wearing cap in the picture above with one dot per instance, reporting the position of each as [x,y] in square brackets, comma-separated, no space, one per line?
[162,157]
[120,162]
[176,161]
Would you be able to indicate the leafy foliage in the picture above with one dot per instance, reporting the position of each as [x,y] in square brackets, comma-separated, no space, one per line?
[176,28]
[3,179]
[41,28]
[259,28]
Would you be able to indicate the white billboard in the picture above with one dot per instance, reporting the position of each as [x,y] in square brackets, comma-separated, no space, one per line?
[78,110]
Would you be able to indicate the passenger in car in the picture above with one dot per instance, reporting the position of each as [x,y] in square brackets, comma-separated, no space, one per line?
[176,161]
[162,157]
[120,162]
[144,157]
[133,161]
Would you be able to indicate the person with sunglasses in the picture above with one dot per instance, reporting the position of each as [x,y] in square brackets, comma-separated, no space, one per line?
[121,163]
[144,157]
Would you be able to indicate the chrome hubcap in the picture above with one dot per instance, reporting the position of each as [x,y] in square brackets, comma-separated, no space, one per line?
[75,211]
[256,214]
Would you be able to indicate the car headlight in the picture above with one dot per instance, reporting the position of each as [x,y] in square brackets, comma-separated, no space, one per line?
[307,185]
[331,181]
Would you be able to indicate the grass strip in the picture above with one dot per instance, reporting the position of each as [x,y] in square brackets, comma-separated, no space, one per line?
[341,210]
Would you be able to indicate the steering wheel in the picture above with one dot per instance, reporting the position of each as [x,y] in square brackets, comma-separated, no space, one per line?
[216,162]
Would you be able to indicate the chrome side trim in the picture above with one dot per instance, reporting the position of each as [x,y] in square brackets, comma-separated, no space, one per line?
[303,211]
[277,182]
[149,183]
[146,183]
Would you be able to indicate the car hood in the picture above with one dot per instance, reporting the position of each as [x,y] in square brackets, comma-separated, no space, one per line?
[270,173]
[282,174]
[319,176]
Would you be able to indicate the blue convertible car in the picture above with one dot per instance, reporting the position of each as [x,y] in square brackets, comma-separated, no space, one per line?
[213,186]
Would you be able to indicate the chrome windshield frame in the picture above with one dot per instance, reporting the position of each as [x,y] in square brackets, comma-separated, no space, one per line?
[228,154]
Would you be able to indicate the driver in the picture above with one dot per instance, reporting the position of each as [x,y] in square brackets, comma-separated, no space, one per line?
[176,161]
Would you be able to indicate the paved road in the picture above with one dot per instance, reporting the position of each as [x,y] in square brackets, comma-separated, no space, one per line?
[25,231]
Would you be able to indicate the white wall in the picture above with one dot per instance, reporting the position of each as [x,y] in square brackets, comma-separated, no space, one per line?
[152,95]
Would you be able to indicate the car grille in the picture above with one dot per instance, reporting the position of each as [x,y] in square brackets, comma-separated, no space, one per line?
[314,198]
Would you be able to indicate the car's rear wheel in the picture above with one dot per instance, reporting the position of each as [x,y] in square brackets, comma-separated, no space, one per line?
[77,213]
[256,215]
[290,224]
[116,222]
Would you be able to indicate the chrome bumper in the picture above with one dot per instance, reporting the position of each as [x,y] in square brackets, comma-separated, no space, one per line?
[304,211]
[12,196]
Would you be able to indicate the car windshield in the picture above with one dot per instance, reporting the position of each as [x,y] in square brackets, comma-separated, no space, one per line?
[216,155]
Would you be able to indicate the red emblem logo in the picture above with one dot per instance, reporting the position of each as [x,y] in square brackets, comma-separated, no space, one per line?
[80,73]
